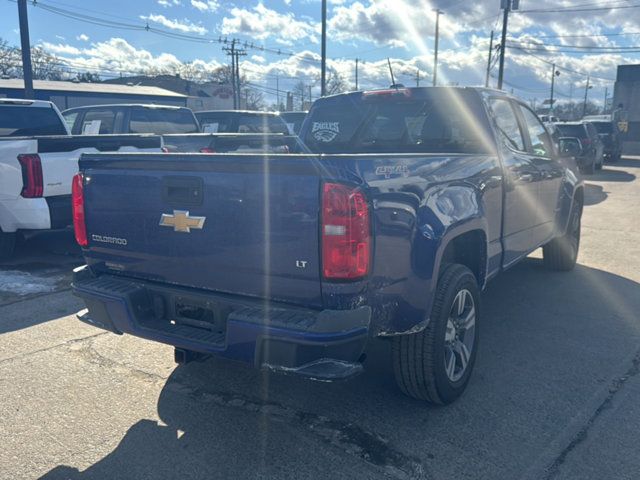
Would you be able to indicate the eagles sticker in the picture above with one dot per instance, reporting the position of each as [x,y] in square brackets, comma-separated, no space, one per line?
[325,131]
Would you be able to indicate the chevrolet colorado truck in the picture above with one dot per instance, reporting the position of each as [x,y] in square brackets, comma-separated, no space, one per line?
[38,159]
[404,204]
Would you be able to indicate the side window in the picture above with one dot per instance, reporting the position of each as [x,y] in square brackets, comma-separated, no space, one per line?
[98,122]
[70,119]
[507,123]
[540,144]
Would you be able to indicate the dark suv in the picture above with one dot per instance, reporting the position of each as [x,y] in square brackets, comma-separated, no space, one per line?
[592,156]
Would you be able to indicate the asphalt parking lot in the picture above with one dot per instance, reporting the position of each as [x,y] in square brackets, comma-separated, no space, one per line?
[554,394]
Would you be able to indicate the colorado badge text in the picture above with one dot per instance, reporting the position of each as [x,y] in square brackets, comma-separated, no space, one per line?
[181,221]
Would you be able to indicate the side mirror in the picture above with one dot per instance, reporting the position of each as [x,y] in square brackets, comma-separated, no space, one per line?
[570,147]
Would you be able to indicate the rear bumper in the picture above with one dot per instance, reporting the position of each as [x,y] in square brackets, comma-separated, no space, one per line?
[325,345]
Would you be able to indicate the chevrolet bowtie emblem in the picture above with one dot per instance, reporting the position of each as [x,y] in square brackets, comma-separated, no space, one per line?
[181,221]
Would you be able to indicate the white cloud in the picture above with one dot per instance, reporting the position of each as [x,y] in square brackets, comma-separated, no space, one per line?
[205,6]
[181,25]
[83,37]
[169,3]
[59,48]
[262,23]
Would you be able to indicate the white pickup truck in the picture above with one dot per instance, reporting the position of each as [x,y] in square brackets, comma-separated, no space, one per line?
[38,159]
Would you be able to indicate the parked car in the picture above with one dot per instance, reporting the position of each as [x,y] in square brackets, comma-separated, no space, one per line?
[592,157]
[37,162]
[293,120]
[130,118]
[412,200]
[610,139]
[548,119]
[241,121]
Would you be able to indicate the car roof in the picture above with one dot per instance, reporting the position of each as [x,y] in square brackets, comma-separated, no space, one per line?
[250,112]
[127,105]
[26,102]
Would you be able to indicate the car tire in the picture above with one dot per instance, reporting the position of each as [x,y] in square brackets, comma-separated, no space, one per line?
[600,164]
[590,168]
[561,254]
[7,245]
[422,362]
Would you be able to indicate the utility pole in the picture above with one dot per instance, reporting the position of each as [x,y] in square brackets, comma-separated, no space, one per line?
[506,5]
[278,91]
[232,51]
[239,53]
[586,94]
[435,51]
[25,45]
[356,74]
[486,81]
[310,101]
[554,73]
[606,97]
[323,65]
[418,78]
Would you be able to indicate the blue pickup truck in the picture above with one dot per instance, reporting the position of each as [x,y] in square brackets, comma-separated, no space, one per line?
[403,204]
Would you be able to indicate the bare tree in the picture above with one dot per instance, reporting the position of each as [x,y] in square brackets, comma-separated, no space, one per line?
[335,82]
[9,59]
[299,92]
[253,99]
[45,65]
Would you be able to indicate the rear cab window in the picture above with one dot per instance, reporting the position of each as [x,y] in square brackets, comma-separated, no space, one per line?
[162,121]
[261,124]
[24,121]
[572,130]
[398,122]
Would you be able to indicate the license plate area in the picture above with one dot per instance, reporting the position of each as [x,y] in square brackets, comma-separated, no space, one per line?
[193,317]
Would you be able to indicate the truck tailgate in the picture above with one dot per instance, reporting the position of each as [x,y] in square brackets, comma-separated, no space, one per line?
[239,224]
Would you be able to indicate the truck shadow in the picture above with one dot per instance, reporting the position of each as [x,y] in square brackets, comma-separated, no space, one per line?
[594,194]
[549,340]
[610,175]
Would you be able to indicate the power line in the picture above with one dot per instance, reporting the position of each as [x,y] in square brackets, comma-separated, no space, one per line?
[570,9]
[580,47]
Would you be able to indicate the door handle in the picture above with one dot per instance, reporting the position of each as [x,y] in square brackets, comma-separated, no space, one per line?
[526,177]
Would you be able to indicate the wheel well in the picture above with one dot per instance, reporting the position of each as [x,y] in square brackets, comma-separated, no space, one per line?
[470,250]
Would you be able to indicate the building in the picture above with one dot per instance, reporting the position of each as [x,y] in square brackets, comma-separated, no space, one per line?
[200,95]
[626,107]
[75,94]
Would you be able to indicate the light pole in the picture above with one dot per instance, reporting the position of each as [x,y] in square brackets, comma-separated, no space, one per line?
[323,65]
[27,72]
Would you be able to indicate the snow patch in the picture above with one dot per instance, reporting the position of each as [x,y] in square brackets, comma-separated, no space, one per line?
[23,283]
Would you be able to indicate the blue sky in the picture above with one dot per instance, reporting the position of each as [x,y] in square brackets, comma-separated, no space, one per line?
[371,30]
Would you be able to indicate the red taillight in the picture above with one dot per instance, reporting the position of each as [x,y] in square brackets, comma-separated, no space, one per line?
[165,150]
[207,150]
[31,176]
[346,237]
[586,141]
[77,205]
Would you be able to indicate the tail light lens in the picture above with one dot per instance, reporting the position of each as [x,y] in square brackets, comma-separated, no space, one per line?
[346,237]
[586,141]
[207,150]
[77,205]
[31,176]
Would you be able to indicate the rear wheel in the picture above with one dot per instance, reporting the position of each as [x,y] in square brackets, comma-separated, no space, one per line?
[7,245]
[561,253]
[590,168]
[435,365]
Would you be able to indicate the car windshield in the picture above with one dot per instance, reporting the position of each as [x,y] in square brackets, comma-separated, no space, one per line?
[17,120]
[603,127]
[572,130]
[162,121]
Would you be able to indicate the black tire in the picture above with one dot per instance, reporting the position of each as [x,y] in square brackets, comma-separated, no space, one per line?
[600,165]
[561,253]
[589,169]
[7,245]
[419,358]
